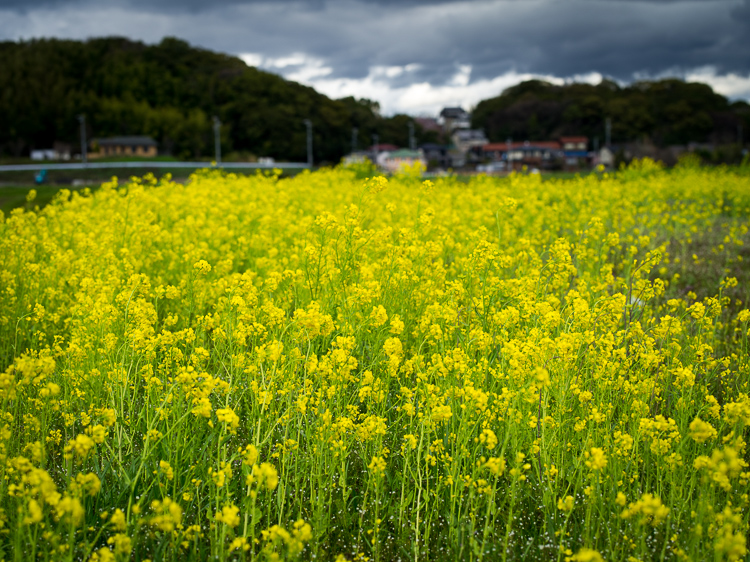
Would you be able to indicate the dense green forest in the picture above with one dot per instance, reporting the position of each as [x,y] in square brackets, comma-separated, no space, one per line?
[171,91]
[665,112]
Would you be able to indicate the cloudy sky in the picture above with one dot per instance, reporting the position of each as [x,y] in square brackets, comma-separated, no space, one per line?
[416,56]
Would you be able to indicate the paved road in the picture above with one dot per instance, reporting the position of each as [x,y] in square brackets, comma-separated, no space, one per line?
[159,164]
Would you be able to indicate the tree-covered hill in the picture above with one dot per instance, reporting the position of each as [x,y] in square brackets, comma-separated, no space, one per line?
[666,112]
[170,91]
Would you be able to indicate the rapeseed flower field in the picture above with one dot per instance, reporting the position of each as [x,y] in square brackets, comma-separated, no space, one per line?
[340,366]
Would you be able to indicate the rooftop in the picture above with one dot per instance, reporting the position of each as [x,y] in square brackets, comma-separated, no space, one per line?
[383,146]
[453,112]
[125,141]
[405,153]
[529,145]
[469,134]
[574,139]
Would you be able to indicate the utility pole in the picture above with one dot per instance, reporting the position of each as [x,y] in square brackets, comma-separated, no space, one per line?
[217,139]
[308,124]
[355,132]
[608,132]
[508,143]
[375,139]
[82,120]
[412,141]
[740,140]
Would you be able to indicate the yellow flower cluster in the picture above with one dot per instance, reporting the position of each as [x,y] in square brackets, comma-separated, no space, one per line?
[340,365]
[649,508]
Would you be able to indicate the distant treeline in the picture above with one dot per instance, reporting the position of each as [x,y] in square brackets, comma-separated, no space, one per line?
[665,112]
[170,92]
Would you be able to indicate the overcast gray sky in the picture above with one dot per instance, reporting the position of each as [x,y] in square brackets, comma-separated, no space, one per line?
[416,56]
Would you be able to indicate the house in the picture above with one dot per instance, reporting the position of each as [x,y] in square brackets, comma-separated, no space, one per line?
[375,151]
[575,150]
[358,157]
[382,147]
[452,118]
[59,151]
[570,152]
[575,145]
[428,124]
[533,154]
[436,156]
[605,157]
[491,168]
[466,139]
[123,146]
[397,159]
[466,142]
[44,154]
[457,158]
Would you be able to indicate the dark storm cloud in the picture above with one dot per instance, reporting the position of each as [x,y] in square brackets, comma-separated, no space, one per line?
[619,38]
[200,5]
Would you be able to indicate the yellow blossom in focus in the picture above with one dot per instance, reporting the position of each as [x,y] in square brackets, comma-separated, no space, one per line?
[495,465]
[701,431]
[597,460]
[441,413]
[239,543]
[80,446]
[229,515]
[378,315]
[118,520]
[35,513]
[167,469]
[410,441]
[649,508]
[266,475]
[488,438]
[167,514]
[227,416]
[249,455]
[586,555]
[122,544]
[202,267]
[377,466]
[565,504]
[102,555]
